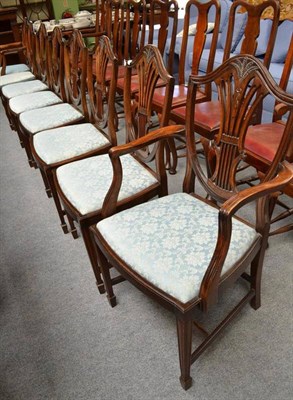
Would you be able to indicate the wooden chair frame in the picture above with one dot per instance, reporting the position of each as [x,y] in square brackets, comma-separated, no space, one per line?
[249,77]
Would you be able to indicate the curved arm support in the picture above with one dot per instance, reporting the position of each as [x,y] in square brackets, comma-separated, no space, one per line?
[110,202]
[210,282]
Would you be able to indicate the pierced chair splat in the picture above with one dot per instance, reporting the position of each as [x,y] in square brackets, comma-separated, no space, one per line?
[194,247]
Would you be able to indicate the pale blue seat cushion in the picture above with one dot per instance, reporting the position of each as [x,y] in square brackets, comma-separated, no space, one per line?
[33,101]
[49,117]
[170,242]
[285,30]
[17,77]
[12,69]
[60,144]
[85,183]
[17,89]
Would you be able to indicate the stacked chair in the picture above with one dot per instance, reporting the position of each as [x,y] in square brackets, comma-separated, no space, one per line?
[62,104]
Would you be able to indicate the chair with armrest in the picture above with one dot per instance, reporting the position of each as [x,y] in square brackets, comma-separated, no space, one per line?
[262,142]
[207,121]
[82,185]
[55,147]
[183,249]
[19,48]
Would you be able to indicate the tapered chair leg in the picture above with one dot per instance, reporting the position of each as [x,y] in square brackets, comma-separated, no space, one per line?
[184,332]
[93,256]
[56,199]
[105,268]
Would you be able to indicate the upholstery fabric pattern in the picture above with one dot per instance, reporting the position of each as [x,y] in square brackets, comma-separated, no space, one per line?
[286,9]
[170,242]
[85,183]
[60,144]
[49,117]
[17,77]
[17,89]
[33,101]
[12,69]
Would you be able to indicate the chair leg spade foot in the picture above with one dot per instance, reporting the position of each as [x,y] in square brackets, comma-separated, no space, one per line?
[101,288]
[112,301]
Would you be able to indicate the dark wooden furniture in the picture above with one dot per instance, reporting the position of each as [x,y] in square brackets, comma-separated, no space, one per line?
[93,177]
[207,113]
[178,249]
[98,108]
[263,141]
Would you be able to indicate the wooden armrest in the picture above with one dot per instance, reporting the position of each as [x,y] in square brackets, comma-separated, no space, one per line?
[247,195]
[280,110]
[167,132]
[10,46]
[11,51]
[159,134]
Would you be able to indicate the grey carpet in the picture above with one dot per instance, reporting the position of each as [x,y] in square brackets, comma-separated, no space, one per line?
[59,339]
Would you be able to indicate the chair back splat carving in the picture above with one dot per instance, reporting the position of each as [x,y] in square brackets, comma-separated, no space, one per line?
[42,49]
[75,69]
[56,64]
[194,247]
[102,111]
[238,83]
[138,111]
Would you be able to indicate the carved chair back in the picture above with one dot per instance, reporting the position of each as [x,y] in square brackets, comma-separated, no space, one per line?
[75,71]
[163,15]
[150,68]
[252,29]
[101,93]
[30,44]
[56,63]
[238,81]
[199,39]
[42,48]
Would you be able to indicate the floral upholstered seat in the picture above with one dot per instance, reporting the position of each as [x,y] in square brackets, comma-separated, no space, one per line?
[177,239]
[59,144]
[49,117]
[17,89]
[33,101]
[85,183]
[12,69]
[17,77]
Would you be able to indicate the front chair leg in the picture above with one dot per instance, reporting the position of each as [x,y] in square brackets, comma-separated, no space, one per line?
[105,268]
[93,256]
[184,333]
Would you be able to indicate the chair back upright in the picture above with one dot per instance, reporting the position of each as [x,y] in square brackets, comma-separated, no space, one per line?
[150,68]
[238,80]
[75,71]
[203,10]
[163,16]
[56,63]
[42,47]
[252,29]
[101,94]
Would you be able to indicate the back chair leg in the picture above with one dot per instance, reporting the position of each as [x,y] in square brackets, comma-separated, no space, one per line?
[184,333]
[46,183]
[105,268]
